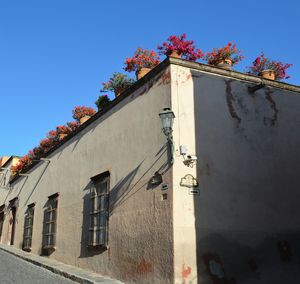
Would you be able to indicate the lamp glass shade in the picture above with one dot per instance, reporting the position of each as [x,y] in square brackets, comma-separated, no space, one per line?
[167,117]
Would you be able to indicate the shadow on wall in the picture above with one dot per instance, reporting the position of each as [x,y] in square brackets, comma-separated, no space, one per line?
[47,162]
[91,128]
[235,255]
[118,195]
[85,251]
[45,207]
[223,257]
[9,191]
[125,189]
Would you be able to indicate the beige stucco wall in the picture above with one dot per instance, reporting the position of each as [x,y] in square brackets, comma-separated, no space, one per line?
[127,141]
[243,225]
[246,216]
[185,262]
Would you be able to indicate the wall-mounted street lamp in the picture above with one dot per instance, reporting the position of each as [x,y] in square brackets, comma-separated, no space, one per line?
[167,118]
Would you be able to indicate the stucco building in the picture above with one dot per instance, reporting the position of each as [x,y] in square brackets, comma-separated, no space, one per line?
[221,207]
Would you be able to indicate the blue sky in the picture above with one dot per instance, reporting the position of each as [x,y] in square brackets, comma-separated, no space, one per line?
[55,54]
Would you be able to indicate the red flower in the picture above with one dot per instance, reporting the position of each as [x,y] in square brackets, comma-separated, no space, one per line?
[141,58]
[23,162]
[62,129]
[185,48]
[52,134]
[227,52]
[262,63]
[73,125]
[81,111]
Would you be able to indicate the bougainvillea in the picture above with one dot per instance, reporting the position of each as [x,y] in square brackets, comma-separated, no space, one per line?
[102,102]
[73,125]
[23,162]
[262,63]
[63,129]
[183,47]
[31,155]
[117,83]
[142,58]
[46,144]
[38,152]
[81,111]
[227,52]
[52,134]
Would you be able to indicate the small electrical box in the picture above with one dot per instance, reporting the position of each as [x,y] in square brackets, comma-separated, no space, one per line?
[183,150]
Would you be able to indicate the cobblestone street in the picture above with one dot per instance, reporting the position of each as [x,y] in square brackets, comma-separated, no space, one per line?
[15,270]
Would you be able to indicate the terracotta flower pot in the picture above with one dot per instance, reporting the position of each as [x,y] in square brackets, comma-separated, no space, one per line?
[175,54]
[62,136]
[226,64]
[84,119]
[267,74]
[142,72]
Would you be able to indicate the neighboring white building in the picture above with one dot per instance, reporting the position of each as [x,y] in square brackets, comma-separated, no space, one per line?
[110,198]
[5,164]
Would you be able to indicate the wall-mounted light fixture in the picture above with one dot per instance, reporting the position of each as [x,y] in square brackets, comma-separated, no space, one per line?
[167,118]
[156,179]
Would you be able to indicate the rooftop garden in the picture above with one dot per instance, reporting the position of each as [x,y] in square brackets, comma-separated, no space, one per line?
[142,61]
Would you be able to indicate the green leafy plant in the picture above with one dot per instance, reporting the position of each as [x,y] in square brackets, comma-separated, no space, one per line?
[102,102]
[117,83]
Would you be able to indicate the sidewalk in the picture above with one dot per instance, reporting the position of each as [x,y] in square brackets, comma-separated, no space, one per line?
[76,274]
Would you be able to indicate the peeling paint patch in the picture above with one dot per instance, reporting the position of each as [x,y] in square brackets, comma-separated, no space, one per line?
[131,269]
[144,267]
[230,99]
[185,272]
[189,77]
[273,107]
[165,79]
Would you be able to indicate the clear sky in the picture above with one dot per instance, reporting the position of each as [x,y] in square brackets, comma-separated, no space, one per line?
[54,54]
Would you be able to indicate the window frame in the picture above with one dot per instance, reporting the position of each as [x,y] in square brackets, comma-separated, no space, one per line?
[99,211]
[28,226]
[50,234]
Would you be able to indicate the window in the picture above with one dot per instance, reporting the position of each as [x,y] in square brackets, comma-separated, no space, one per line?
[28,226]
[98,230]
[50,217]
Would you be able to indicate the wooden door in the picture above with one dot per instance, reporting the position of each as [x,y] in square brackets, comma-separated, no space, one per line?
[11,225]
